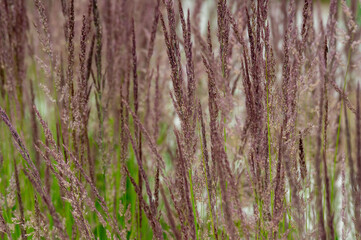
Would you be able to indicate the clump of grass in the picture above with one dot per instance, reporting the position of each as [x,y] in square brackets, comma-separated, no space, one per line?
[136,120]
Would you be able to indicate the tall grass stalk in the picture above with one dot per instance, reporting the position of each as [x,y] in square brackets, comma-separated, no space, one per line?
[339,123]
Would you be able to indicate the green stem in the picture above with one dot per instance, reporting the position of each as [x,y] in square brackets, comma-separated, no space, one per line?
[269,139]
[193,203]
[339,123]
[209,195]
